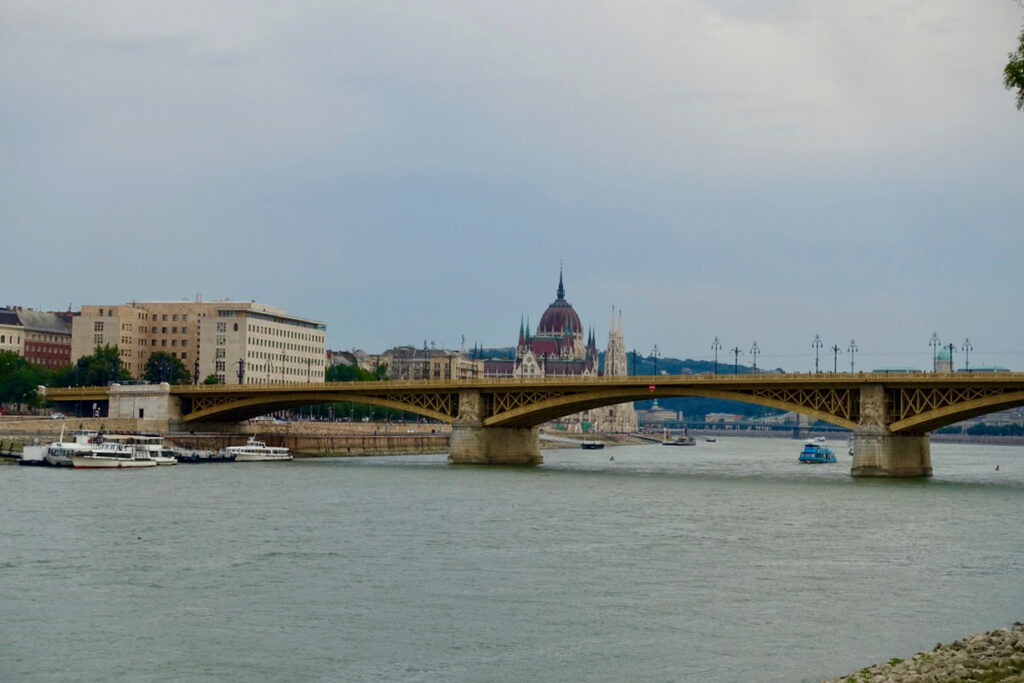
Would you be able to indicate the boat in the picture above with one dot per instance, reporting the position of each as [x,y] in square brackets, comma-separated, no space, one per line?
[112,455]
[816,452]
[683,439]
[591,445]
[152,444]
[33,455]
[194,457]
[59,452]
[257,451]
[711,439]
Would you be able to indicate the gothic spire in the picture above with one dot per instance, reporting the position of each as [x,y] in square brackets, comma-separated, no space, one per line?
[561,287]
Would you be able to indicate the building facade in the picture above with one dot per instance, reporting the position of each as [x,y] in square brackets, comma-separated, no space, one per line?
[12,334]
[236,341]
[407,362]
[47,337]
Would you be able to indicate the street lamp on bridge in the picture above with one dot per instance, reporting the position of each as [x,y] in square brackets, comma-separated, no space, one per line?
[835,357]
[952,347]
[654,354]
[754,350]
[715,346]
[967,348]
[852,348]
[935,344]
[817,345]
[736,360]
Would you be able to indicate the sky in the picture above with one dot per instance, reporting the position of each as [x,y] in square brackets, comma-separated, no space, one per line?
[752,170]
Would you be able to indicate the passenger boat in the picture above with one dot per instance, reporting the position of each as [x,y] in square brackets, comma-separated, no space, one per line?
[683,439]
[59,452]
[257,451]
[152,444]
[112,455]
[591,445]
[816,452]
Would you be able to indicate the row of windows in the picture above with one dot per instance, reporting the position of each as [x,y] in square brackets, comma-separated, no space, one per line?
[58,351]
[57,339]
[145,316]
[10,339]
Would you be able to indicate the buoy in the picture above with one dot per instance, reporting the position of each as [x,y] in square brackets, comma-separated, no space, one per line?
[613,457]
[997,468]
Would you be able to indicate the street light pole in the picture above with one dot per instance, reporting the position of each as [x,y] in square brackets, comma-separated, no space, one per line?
[754,350]
[952,347]
[716,345]
[736,360]
[817,345]
[934,343]
[835,357]
[852,348]
[654,354]
[967,354]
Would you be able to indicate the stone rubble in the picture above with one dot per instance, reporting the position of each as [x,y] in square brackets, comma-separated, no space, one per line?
[996,656]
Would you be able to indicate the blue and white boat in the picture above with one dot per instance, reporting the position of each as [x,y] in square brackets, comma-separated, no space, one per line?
[815,451]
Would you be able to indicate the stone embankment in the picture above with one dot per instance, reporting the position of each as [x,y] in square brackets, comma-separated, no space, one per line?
[984,658]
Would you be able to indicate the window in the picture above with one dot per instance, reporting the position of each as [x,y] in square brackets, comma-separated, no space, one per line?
[163,317]
[97,339]
[222,327]
[97,326]
[174,317]
[174,330]
[184,355]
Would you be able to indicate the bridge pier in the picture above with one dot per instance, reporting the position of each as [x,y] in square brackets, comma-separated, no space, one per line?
[877,452]
[884,454]
[472,443]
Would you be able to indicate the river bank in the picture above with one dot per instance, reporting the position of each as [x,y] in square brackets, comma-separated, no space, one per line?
[986,657]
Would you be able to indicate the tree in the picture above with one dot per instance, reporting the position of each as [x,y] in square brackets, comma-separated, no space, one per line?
[19,379]
[212,379]
[1013,74]
[163,367]
[99,369]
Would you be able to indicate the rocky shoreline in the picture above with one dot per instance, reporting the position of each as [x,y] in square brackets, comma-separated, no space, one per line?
[984,658]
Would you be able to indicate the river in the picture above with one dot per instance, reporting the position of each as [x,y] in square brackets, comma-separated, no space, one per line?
[725,561]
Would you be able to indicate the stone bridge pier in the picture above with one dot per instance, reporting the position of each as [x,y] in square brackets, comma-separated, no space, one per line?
[473,443]
[877,452]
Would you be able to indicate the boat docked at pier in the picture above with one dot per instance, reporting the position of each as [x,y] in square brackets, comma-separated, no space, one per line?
[58,453]
[257,451]
[815,452]
[112,455]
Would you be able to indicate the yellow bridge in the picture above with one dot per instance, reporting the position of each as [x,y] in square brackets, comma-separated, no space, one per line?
[495,420]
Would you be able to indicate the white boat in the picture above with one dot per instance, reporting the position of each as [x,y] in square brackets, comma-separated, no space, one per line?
[257,451]
[153,445]
[59,452]
[112,454]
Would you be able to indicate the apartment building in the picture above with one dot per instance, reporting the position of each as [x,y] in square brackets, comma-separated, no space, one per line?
[12,334]
[230,339]
[407,362]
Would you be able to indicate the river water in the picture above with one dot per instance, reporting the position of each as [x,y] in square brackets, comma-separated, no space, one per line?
[726,561]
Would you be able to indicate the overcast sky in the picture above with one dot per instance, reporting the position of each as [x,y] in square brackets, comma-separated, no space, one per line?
[406,171]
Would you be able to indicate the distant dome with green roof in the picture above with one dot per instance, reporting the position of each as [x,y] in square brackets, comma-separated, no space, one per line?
[943,355]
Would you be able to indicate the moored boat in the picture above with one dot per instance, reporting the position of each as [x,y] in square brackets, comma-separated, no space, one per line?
[815,452]
[591,445]
[257,451]
[192,456]
[112,455]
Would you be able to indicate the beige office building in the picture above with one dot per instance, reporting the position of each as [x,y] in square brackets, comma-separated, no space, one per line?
[208,336]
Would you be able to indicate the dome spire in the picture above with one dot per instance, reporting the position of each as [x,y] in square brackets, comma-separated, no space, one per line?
[561,287]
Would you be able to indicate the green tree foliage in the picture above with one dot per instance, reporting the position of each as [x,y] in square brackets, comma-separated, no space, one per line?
[212,379]
[163,367]
[1013,74]
[99,369]
[19,379]
[348,373]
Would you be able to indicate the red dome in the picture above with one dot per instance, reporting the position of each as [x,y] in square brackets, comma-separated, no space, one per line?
[560,318]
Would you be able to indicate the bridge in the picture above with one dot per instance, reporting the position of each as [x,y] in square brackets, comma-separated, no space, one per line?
[495,421]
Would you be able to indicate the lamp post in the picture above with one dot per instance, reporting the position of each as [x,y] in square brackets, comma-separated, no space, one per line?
[282,366]
[241,371]
[967,354]
[195,372]
[817,345]
[634,361]
[715,346]
[309,375]
[654,354]
[835,357]
[754,350]
[952,347]
[736,360]
[934,343]
[852,348]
